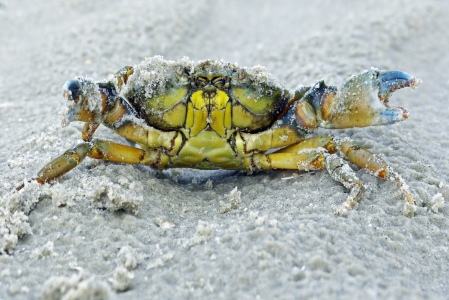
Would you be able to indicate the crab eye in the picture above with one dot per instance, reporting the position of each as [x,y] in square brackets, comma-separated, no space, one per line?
[201,82]
[218,82]
[71,90]
[180,70]
[241,74]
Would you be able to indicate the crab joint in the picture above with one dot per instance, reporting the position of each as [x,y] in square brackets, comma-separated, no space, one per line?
[305,116]
[171,140]
[308,160]
[89,130]
[269,139]
[364,158]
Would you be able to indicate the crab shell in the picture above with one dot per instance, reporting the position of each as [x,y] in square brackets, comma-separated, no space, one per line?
[213,95]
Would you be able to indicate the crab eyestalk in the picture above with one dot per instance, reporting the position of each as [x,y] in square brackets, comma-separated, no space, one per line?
[71,90]
[362,101]
[85,102]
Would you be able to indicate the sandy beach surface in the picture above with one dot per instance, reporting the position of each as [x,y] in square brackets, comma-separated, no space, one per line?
[113,231]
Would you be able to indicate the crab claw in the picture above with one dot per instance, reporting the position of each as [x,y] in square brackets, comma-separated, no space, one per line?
[391,81]
[361,101]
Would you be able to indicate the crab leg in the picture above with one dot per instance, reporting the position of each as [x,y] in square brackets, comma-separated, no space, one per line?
[319,153]
[365,159]
[323,147]
[342,172]
[315,159]
[99,149]
[89,130]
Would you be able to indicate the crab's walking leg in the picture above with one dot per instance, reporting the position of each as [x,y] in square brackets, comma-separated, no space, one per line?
[318,153]
[342,172]
[99,149]
[365,159]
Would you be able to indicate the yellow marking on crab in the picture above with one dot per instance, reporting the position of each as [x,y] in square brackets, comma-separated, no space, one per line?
[189,119]
[240,144]
[284,136]
[115,152]
[323,141]
[104,102]
[150,157]
[133,132]
[220,100]
[199,121]
[243,118]
[207,145]
[247,163]
[259,141]
[176,116]
[260,105]
[261,161]
[274,138]
[217,113]
[177,144]
[217,124]
[158,138]
[228,117]
[312,160]
[350,109]
[84,114]
[221,113]
[197,99]
[328,105]
[122,75]
[163,161]
[167,100]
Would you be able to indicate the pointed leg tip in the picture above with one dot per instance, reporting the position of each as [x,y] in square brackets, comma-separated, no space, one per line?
[409,209]
[342,210]
[20,187]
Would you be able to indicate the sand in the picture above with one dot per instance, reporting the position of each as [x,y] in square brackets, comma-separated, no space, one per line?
[108,230]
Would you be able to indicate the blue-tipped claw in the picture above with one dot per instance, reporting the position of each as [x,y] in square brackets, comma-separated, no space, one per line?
[391,81]
[392,115]
[361,101]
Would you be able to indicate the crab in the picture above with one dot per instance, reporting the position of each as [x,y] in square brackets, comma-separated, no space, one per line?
[216,115]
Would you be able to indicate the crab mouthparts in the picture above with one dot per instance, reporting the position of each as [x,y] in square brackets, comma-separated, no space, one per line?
[391,81]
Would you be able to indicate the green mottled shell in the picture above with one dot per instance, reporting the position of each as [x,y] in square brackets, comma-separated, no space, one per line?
[254,106]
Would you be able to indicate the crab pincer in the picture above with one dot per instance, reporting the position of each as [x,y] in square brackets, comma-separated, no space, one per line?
[361,101]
